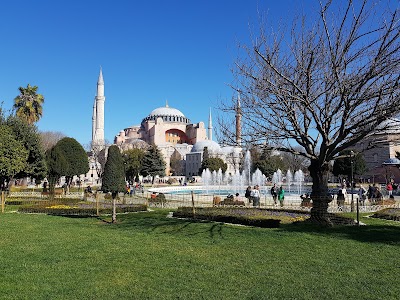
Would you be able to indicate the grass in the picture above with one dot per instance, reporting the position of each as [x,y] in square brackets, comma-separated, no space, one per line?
[149,256]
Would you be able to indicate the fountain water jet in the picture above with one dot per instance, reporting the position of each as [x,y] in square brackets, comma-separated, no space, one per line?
[247,167]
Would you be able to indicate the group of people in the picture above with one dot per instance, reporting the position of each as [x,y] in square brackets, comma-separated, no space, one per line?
[253,195]
[278,194]
[131,189]
[373,193]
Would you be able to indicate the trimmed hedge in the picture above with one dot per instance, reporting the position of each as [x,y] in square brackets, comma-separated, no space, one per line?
[259,217]
[41,201]
[231,215]
[80,211]
[388,214]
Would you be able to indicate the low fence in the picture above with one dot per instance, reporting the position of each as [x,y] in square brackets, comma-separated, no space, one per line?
[200,200]
[291,202]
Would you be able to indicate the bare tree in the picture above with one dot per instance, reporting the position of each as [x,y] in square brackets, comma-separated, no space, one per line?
[324,89]
[295,162]
[50,138]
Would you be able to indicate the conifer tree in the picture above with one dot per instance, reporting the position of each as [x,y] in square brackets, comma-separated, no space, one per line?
[113,176]
[75,156]
[56,167]
[153,163]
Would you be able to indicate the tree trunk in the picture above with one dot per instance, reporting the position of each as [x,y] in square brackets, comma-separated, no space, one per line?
[52,183]
[114,212]
[320,195]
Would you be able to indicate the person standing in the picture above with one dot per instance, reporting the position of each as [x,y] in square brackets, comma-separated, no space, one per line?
[281,195]
[274,193]
[247,194]
[362,195]
[370,193]
[389,188]
[256,196]
[373,195]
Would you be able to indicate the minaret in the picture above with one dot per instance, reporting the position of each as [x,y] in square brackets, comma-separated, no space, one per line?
[94,121]
[210,128]
[98,113]
[238,123]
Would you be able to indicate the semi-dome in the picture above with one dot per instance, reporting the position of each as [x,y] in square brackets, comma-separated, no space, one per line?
[212,146]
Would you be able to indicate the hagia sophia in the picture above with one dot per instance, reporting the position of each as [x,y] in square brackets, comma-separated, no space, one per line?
[178,137]
[172,132]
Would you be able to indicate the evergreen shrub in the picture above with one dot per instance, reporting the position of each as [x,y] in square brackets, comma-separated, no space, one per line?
[388,214]
[80,211]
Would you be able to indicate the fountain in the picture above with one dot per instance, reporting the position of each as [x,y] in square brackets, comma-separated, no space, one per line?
[299,179]
[237,182]
[257,178]
[218,183]
[289,179]
[247,167]
[277,177]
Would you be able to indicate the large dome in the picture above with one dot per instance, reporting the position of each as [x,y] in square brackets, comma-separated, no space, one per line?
[212,146]
[167,114]
[166,111]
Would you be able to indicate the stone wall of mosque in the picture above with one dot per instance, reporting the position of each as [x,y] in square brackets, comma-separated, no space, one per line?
[378,149]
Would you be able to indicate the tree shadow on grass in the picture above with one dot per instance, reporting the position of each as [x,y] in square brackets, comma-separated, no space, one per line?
[157,222]
[384,234]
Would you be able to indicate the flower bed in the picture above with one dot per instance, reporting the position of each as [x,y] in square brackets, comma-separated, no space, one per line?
[247,216]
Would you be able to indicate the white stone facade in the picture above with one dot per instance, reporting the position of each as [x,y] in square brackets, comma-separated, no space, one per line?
[168,129]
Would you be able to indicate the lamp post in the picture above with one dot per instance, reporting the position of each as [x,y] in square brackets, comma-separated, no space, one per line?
[352,182]
[92,167]
[352,187]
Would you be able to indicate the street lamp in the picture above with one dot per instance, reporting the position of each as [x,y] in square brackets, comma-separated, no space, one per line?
[352,187]
[92,167]
[352,182]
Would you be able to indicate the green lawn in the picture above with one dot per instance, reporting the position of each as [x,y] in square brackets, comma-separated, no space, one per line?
[149,256]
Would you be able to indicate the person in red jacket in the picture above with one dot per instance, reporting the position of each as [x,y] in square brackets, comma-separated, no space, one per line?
[389,188]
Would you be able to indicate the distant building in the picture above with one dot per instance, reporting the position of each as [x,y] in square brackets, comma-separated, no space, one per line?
[380,147]
[172,132]
[167,128]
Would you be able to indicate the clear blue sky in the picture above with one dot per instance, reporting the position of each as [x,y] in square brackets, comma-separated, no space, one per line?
[150,52]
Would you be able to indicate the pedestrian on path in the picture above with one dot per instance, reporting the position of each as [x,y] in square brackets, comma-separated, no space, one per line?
[281,195]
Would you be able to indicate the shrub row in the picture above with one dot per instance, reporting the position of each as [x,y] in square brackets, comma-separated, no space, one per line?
[25,202]
[41,201]
[218,215]
[64,210]
[255,217]
[388,214]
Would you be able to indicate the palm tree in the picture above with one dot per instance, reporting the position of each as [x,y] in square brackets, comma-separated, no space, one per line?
[28,104]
